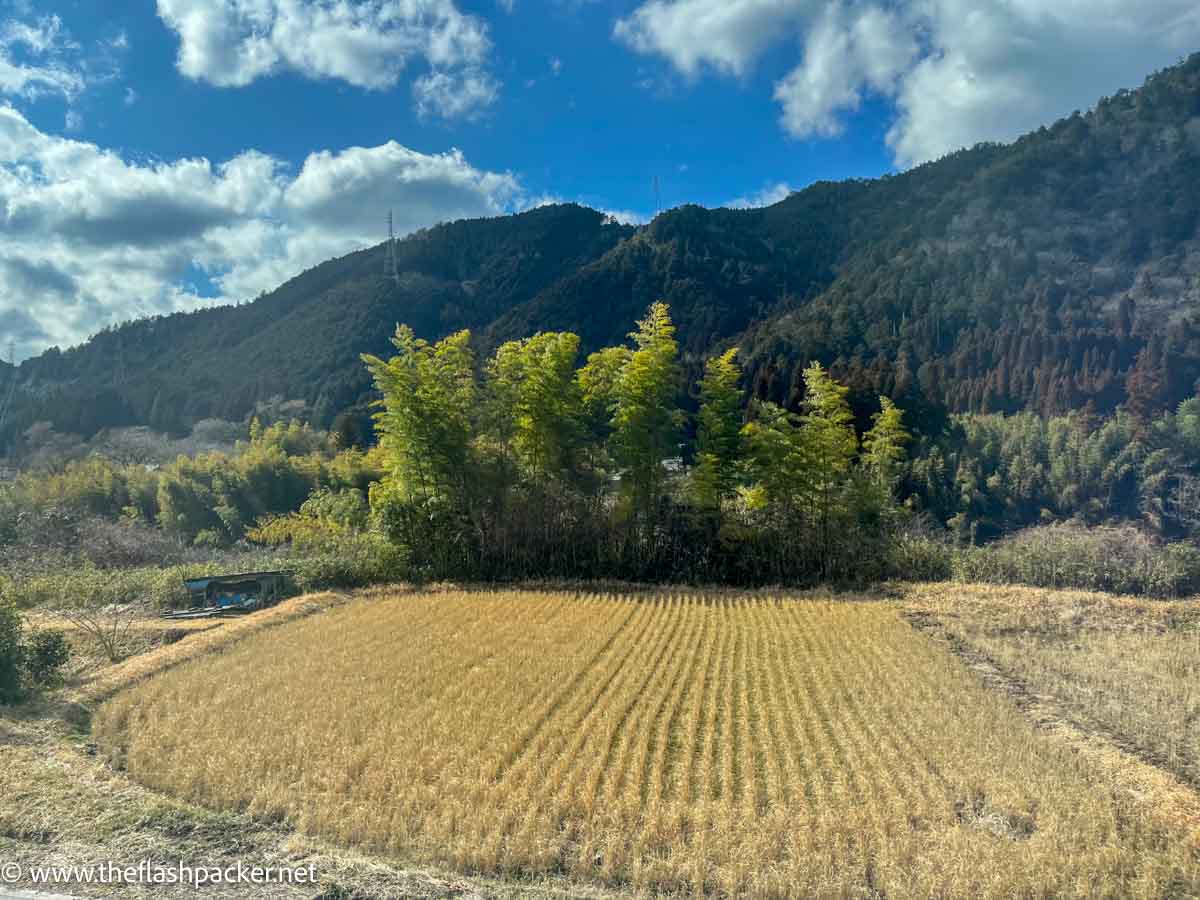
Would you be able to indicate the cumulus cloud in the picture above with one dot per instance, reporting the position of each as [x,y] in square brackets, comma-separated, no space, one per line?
[768,196]
[844,53]
[957,71]
[999,72]
[726,34]
[88,237]
[366,43]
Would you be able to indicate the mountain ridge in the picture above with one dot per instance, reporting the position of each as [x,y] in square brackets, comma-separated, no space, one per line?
[1048,274]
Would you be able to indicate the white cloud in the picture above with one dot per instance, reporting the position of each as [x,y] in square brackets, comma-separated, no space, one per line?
[455,95]
[768,196]
[957,71]
[367,43]
[131,97]
[507,5]
[73,121]
[998,72]
[541,200]
[88,238]
[726,34]
[842,54]
[32,59]
[626,216]
[623,216]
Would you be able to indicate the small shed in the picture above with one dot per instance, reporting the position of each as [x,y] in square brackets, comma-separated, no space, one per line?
[242,592]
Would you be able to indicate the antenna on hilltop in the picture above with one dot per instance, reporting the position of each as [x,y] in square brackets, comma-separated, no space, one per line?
[391,267]
[657,196]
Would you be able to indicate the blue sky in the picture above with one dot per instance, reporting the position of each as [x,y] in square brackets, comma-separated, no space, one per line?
[160,155]
[579,114]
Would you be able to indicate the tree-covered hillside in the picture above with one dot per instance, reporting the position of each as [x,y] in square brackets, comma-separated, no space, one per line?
[1060,272]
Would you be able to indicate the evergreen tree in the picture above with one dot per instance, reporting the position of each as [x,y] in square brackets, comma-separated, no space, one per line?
[597,382]
[830,445]
[535,385]
[883,444]
[777,459]
[425,423]
[718,433]
[597,386]
[646,420]
[881,461]
[1146,384]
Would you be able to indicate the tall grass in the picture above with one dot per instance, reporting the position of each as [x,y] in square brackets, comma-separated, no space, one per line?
[347,562]
[1116,559]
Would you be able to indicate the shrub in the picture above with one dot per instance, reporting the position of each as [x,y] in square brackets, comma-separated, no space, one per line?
[1118,559]
[12,653]
[46,652]
[210,538]
[362,560]
[920,556]
[325,555]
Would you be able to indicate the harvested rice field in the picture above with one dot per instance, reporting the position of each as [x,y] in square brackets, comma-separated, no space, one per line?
[728,745]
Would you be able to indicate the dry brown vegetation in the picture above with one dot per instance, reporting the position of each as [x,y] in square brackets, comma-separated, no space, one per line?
[203,640]
[60,804]
[735,745]
[1129,668]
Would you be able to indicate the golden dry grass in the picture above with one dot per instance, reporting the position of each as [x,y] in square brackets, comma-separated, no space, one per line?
[1128,666]
[199,642]
[737,746]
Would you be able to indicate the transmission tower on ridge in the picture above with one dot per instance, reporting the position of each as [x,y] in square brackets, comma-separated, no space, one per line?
[119,368]
[391,266]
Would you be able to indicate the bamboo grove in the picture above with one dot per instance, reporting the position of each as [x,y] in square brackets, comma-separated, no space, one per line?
[532,464]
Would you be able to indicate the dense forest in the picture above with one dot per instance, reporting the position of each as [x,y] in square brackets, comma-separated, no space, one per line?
[1059,273]
[539,461]
[534,462]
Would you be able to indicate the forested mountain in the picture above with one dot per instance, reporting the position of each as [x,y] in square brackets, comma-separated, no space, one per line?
[1059,272]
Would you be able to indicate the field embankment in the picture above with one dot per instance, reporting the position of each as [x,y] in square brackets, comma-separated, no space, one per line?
[730,744]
